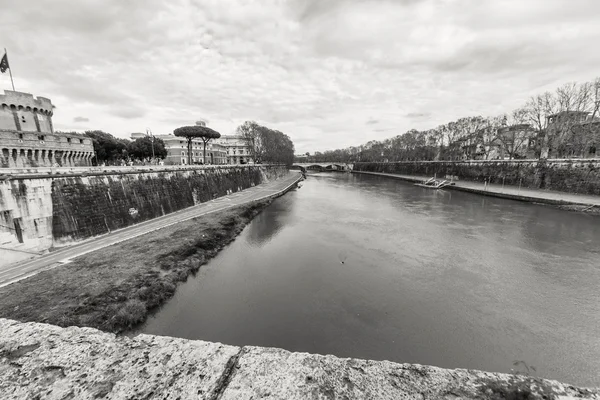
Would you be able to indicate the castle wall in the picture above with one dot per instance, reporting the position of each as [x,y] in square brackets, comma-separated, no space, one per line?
[27,138]
[38,211]
[7,119]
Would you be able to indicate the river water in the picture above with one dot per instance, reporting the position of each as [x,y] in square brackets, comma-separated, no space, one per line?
[443,278]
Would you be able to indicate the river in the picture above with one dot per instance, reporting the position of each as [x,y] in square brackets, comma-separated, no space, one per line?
[369,267]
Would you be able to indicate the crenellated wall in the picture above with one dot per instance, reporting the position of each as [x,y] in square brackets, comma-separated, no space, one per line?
[570,175]
[39,211]
[27,137]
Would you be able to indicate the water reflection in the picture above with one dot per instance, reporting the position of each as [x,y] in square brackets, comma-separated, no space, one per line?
[433,277]
[269,222]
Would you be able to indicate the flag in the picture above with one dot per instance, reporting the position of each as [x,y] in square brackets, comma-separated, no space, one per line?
[4,63]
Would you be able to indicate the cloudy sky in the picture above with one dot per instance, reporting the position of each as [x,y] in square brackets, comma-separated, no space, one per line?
[329,73]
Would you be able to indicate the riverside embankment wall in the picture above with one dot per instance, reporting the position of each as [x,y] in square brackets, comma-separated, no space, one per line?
[572,176]
[40,361]
[39,209]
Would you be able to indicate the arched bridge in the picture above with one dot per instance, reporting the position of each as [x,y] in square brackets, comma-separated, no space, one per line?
[324,166]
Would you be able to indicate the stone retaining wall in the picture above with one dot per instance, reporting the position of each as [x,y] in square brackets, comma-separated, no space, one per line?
[573,176]
[40,210]
[39,361]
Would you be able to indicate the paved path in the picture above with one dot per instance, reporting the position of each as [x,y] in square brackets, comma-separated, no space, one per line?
[508,192]
[15,272]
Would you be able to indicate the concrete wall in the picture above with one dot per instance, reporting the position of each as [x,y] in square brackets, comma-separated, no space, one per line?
[573,176]
[38,211]
[40,361]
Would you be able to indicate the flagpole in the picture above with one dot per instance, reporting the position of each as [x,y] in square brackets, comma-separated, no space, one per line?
[10,71]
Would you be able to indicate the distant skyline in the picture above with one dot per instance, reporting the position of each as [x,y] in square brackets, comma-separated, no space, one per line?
[329,73]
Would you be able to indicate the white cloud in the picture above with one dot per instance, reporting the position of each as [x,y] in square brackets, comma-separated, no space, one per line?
[316,70]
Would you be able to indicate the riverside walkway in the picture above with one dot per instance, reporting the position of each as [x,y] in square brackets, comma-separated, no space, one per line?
[507,192]
[17,271]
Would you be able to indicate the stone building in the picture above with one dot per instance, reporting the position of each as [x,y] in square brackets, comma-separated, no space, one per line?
[177,150]
[27,137]
[571,134]
[238,150]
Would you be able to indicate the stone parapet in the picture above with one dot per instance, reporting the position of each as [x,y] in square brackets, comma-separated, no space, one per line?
[41,361]
[21,99]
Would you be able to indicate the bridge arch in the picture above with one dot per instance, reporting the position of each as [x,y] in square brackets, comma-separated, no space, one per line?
[324,166]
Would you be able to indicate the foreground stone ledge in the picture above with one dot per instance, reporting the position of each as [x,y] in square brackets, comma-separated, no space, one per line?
[41,361]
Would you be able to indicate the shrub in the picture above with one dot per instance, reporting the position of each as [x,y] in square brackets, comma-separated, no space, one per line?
[132,312]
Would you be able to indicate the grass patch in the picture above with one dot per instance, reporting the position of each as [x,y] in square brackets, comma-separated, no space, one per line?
[114,289]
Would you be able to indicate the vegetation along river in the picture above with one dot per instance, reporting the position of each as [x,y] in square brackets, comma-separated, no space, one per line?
[443,278]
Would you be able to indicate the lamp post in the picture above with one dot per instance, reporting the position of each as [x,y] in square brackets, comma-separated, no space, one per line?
[151,136]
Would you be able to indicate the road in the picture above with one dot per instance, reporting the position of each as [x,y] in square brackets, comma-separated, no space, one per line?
[15,272]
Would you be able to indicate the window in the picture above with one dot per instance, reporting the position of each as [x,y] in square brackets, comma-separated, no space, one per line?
[21,136]
[23,118]
[68,140]
[41,137]
[81,141]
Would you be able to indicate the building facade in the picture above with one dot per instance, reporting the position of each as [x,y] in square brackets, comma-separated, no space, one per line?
[177,151]
[571,134]
[27,137]
[238,150]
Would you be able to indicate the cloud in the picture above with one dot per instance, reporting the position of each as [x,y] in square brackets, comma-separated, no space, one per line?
[81,119]
[417,115]
[320,71]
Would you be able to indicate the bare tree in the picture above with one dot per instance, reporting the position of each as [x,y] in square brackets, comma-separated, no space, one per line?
[538,108]
[250,132]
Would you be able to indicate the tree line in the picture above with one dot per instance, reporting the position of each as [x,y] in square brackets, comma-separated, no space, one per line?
[562,123]
[111,150]
[267,145]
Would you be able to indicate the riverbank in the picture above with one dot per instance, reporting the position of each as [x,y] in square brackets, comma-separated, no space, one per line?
[568,201]
[581,176]
[44,361]
[17,271]
[116,287]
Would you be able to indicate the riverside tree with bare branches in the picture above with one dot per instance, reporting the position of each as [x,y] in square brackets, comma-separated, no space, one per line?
[565,122]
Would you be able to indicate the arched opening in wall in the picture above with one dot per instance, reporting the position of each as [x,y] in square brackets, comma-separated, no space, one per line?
[58,155]
[5,158]
[30,157]
[36,157]
[592,151]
